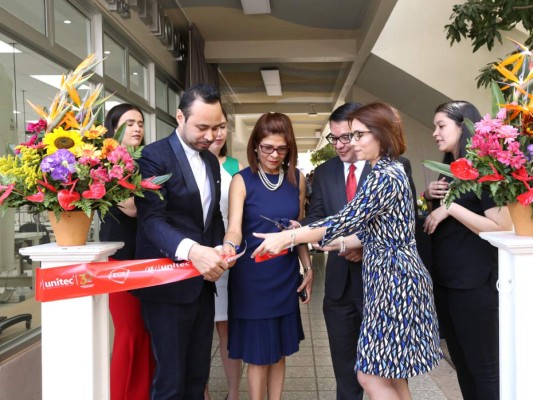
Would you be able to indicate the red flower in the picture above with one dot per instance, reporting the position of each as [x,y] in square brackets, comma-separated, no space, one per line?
[149,184]
[463,169]
[124,183]
[492,178]
[7,191]
[525,198]
[37,197]
[36,127]
[66,198]
[96,191]
[521,175]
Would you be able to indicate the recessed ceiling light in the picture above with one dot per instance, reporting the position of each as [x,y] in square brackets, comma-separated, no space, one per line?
[135,73]
[271,81]
[107,52]
[67,21]
[16,112]
[8,48]
[256,6]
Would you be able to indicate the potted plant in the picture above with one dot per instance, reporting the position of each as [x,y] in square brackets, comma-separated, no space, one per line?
[68,167]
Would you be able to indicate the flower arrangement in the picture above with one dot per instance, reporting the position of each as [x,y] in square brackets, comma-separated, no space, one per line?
[68,164]
[422,204]
[500,153]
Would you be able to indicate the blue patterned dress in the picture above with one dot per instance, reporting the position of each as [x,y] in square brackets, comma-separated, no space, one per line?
[399,333]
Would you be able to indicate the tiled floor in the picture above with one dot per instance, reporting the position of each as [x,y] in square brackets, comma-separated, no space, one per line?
[309,374]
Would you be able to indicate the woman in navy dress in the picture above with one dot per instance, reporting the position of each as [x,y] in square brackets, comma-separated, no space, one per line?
[132,362]
[399,333]
[264,319]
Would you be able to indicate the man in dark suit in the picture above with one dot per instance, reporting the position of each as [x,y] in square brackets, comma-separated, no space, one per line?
[343,299]
[186,225]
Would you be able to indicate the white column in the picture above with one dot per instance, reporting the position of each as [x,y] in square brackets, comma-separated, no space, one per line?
[515,285]
[75,332]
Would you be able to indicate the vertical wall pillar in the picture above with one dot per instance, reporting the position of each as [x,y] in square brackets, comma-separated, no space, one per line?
[75,332]
[515,285]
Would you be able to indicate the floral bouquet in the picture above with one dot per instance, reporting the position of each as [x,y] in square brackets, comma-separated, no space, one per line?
[422,204]
[68,164]
[500,153]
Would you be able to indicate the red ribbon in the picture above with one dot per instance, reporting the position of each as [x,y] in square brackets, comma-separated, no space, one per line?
[89,279]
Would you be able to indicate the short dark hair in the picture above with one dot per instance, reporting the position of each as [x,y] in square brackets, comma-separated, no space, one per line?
[207,93]
[274,124]
[113,116]
[458,111]
[385,125]
[344,113]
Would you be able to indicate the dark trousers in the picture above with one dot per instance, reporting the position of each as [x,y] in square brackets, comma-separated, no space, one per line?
[469,319]
[182,335]
[343,321]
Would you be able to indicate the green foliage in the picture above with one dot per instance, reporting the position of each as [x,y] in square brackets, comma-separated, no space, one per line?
[322,155]
[482,21]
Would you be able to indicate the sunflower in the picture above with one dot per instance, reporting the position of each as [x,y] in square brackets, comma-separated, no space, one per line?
[61,139]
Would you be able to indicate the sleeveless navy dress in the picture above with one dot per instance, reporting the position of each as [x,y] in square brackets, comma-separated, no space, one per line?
[264,316]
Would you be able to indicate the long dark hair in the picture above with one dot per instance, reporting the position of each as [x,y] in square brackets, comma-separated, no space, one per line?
[274,124]
[458,111]
[114,115]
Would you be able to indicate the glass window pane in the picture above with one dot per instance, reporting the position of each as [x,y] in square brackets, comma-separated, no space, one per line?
[160,94]
[31,12]
[138,81]
[72,29]
[173,101]
[115,60]
[163,129]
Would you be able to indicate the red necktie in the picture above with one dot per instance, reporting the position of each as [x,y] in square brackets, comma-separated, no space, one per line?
[351,183]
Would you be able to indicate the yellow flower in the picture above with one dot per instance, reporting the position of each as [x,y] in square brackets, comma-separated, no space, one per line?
[61,139]
[86,150]
[95,132]
[108,146]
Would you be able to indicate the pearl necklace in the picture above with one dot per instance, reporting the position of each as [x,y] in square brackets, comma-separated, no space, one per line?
[269,185]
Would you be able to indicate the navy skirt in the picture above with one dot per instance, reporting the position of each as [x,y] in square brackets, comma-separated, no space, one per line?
[265,341]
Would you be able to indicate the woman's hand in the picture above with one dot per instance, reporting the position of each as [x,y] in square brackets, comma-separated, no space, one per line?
[435,218]
[307,285]
[273,243]
[436,189]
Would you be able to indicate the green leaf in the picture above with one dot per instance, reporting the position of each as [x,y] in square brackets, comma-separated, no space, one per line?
[119,133]
[439,167]
[470,126]
[158,180]
[497,97]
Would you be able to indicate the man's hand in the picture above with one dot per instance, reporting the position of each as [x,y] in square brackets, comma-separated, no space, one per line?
[207,261]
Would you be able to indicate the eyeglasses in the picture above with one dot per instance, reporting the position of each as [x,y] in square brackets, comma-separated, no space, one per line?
[268,149]
[345,138]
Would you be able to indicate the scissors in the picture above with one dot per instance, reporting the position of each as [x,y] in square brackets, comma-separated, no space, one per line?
[281,223]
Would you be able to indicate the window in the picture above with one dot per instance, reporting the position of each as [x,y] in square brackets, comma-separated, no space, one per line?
[115,60]
[32,12]
[138,81]
[72,29]
[161,100]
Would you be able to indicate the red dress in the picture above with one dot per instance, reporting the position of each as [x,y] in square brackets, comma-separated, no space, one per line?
[132,362]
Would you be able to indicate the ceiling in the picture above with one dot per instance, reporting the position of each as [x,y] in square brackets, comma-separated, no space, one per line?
[319,48]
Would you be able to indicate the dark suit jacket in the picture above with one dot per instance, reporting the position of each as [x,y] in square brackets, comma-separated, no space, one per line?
[329,197]
[163,224]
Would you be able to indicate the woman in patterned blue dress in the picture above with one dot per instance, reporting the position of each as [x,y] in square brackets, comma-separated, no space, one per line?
[399,333]
[264,319]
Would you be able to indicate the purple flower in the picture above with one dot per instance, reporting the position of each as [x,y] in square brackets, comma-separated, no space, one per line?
[59,164]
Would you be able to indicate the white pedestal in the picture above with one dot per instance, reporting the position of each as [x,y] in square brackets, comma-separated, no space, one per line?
[515,257]
[75,332]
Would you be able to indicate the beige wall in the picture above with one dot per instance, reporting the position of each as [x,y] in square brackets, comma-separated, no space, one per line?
[414,40]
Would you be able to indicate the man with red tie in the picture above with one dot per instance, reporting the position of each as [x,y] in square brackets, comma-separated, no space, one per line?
[334,184]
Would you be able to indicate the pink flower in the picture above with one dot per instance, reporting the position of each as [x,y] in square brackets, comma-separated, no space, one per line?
[100,174]
[37,126]
[116,172]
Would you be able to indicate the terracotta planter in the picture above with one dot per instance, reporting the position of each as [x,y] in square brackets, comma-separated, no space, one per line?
[72,227]
[522,221]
